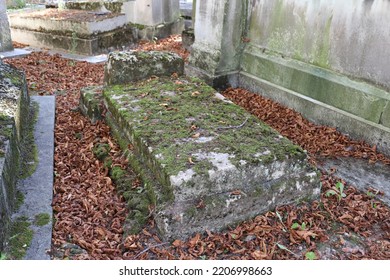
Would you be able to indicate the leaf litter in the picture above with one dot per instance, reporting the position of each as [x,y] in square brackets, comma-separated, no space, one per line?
[90,214]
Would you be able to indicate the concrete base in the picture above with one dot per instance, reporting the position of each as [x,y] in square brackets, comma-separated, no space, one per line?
[356,97]
[219,82]
[94,45]
[188,38]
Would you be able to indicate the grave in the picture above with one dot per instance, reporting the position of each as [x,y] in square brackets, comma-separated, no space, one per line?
[206,163]
[14,116]
[77,31]
[95,27]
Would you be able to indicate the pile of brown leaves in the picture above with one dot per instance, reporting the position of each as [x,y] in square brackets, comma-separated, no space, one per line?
[171,44]
[89,213]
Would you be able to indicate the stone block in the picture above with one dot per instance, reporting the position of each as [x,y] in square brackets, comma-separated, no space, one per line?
[91,102]
[188,38]
[208,162]
[76,31]
[126,67]
[358,98]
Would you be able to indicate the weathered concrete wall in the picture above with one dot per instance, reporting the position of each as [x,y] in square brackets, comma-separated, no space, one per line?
[152,12]
[348,36]
[325,59]
[219,27]
[5,35]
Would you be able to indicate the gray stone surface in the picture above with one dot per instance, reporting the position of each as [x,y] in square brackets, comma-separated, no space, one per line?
[186,8]
[5,35]
[346,36]
[14,53]
[38,188]
[125,67]
[361,174]
[219,28]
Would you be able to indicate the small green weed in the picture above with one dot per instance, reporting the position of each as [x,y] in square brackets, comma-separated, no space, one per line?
[310,256]
[298,226]
[3,256]
[338,190]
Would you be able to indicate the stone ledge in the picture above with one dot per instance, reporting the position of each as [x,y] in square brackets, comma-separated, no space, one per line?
[319,112]
[358,98]
[213,163]
[93,45]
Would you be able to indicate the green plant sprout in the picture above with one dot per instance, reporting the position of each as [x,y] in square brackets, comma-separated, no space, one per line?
[337,190]
[297,225]
[310,256]
[3,256]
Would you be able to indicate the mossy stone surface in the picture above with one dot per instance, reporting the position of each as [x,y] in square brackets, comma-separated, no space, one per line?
[200,146]
[128,66]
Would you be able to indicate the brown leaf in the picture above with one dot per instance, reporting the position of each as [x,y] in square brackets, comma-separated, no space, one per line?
[177,243]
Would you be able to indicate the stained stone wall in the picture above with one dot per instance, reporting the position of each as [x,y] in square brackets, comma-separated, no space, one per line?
[326,59]
[5,35]
[14,108]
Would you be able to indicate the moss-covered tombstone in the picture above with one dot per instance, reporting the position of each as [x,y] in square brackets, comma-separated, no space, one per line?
[206,163]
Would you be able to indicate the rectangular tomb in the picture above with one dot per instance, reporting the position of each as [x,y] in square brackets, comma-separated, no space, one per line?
[213,164]
[78,31]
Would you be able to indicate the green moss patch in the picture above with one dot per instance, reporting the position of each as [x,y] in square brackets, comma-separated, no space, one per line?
[28,148]
[179,119]
[41,219]
[21,237]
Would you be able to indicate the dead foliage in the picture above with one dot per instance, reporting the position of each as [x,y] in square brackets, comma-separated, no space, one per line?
[171,44]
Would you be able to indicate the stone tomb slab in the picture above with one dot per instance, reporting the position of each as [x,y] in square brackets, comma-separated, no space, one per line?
[78,31]
[212,164]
